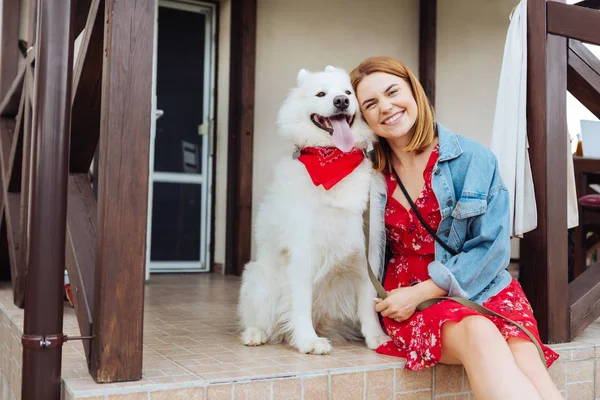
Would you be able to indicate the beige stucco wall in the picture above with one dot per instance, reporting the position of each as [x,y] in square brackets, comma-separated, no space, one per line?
[307,34]
[470,44]
[24,19]
[314,33]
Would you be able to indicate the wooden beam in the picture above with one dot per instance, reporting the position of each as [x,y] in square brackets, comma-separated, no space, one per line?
[584,299]
[10,205]
[87,96]
[81,251]
[241,134]
[5,272]
[16,152]
[575,22]
[7,129]
[19,279]
[427,46]
[544,266]
[9,43]
[9,106]
[27,167]
[28,159]
[123,190]
[29,88]
[583,76]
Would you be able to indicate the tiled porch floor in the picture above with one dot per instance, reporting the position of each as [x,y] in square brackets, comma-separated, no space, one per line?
[192,351]
[191,334]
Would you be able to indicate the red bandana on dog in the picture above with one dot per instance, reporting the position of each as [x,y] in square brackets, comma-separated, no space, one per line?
[329,165]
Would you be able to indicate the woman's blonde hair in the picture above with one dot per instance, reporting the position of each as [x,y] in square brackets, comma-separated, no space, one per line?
[424,128]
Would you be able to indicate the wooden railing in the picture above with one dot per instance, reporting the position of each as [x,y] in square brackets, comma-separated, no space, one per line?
[557,63]
[111,111]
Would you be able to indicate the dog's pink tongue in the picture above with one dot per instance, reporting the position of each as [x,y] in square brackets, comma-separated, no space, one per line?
[342,134]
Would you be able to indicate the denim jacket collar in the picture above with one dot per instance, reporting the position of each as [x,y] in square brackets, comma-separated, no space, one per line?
[449,145]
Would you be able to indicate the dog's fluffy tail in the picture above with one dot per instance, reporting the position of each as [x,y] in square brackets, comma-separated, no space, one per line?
[339,331]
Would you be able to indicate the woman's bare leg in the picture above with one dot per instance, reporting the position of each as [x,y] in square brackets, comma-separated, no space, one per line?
[527,357]
[476,343]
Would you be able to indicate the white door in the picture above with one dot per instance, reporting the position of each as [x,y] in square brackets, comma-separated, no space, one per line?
[181,153]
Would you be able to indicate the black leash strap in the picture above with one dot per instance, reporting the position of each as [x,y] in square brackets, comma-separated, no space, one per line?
[418,214]
[485,311]
[367,231]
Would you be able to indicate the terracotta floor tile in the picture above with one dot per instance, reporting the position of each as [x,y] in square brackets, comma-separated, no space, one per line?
[204,369]
[252,364]
[287,360]
[226,376]
[191,334]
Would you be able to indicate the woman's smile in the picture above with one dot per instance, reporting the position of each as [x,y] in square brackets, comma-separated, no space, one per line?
[394,119]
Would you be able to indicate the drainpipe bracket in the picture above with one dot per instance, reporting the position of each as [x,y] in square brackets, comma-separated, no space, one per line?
[43,342]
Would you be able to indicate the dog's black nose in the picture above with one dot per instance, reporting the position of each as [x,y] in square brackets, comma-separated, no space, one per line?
[341,102]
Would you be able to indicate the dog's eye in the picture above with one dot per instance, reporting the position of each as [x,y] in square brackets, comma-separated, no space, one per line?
[348,92]
[321,94]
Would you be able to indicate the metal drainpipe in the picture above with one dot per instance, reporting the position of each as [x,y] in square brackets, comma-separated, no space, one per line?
[43,338]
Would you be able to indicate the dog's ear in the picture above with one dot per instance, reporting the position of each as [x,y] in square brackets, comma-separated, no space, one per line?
[302,74]
[330,68]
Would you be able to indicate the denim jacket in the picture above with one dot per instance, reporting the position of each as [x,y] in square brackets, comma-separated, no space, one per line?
[474,206]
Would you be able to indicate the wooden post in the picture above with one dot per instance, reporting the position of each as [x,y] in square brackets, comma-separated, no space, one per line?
[87,97]
[123,191]
[427,46]
[241,135]
[45,291]
[29,147]
[9,58]
[544,263]
[9,47]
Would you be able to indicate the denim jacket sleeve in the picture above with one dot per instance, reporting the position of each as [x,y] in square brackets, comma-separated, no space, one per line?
[485,252]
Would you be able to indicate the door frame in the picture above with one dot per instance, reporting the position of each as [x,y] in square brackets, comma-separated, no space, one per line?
[209,9]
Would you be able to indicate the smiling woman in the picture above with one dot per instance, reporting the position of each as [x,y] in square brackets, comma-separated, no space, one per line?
[389,87]
[445,188]
[396,97]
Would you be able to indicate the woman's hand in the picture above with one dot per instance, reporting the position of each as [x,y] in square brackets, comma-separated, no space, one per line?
[401,303]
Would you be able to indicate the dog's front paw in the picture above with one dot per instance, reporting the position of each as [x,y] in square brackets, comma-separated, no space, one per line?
[254,337]
[316,346]
[374,342]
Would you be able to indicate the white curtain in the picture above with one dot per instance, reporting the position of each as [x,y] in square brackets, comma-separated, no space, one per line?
[509,134]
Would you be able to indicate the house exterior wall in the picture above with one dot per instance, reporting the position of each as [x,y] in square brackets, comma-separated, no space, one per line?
[222,119]
[313,33]
[23,19]
[470,44]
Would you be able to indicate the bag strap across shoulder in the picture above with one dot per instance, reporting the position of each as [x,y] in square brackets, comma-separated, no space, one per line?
[381,292]
[420,217]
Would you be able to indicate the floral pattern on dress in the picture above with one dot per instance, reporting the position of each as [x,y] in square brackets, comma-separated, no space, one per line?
[418,338]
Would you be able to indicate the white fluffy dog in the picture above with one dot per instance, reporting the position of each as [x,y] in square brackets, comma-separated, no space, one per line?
[310,271]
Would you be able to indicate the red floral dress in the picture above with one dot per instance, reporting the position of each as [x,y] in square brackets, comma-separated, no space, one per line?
[418,339]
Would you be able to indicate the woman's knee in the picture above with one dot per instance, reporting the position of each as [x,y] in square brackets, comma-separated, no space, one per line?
[473,335]
[526,356]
